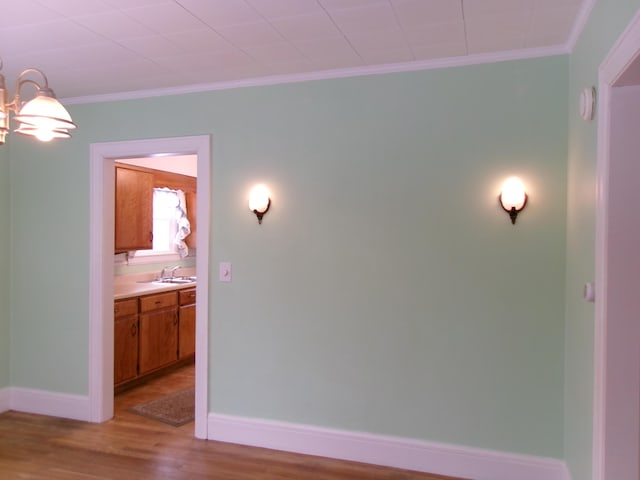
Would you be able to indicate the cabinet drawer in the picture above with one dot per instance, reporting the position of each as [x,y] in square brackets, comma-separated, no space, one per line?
[159,300]
[187,296]
[125,307]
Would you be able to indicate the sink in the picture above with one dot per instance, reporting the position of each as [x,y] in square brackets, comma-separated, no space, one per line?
[177,280]
[172,280]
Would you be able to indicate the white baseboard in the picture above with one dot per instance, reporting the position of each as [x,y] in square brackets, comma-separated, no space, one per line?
[422,456]
[5,396]
[395,452]
[49,403]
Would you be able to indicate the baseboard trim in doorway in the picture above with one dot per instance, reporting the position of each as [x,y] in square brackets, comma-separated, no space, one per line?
[438,458]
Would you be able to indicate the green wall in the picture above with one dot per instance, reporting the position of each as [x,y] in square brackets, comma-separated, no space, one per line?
[5,275]
[607,21]
[385,291]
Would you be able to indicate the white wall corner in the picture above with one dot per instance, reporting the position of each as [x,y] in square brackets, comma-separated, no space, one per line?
[395,452]
[5,396]
[579,24]
[53,404]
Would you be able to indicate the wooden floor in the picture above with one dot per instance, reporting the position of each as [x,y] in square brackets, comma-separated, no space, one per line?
[133,447]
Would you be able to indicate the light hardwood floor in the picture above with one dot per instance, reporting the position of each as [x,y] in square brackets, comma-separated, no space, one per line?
[133,447]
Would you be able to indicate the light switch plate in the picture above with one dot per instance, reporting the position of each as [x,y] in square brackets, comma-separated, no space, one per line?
[589,292]
[225,272]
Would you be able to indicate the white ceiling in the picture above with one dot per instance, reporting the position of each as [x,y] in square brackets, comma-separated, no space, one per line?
[97,47]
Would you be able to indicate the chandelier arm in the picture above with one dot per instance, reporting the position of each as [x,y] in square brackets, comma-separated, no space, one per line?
[20,81]
[24,81]
[26,72]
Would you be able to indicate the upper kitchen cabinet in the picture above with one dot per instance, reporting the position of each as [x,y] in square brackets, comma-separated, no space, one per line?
[133,210]
[192,209]
[134,204]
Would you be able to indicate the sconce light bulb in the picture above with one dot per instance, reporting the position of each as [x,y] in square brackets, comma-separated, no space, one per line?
[513,194]
[513,197]
[259,201]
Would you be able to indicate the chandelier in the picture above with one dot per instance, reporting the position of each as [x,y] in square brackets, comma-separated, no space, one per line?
[42,117]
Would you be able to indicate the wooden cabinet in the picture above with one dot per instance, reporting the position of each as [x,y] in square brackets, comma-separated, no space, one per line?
[158,331]
[125,352]
[153,332]
[192,213]
[187,323]
[134,205]
[133,210]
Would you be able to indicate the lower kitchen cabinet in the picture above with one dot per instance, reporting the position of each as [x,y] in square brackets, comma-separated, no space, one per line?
[125,352]
[153,332]
[187,323]
[158,339]
[158,331]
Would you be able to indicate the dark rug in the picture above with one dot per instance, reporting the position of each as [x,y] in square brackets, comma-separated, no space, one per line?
[175,409]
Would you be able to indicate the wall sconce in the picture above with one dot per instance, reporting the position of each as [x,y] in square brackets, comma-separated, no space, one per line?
[513,198]
[259,201]
[43,117]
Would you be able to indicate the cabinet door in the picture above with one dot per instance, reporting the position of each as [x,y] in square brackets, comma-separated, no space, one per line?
[158,339]
[133,210]
[192,213]
[125,348]
[187,332]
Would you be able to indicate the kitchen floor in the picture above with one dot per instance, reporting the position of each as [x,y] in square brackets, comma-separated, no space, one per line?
[174,381]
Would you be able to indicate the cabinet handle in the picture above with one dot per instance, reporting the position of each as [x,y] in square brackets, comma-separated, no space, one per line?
[134,330]
[158,302]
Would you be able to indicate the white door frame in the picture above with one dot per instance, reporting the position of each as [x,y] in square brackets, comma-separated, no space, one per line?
[611,445]
[101,222]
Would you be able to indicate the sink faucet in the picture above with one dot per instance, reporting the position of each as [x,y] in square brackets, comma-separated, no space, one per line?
[172,272]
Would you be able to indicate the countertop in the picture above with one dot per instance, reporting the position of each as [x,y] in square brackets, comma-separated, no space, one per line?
[125,286]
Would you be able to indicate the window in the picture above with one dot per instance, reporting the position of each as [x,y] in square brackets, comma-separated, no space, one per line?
[169,217]
[165,225]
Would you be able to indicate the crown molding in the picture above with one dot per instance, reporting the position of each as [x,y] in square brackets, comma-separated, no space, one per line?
[461,61]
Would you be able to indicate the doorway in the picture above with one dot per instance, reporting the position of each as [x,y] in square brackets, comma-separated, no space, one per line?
[616,429]
[154,351]
[101,289]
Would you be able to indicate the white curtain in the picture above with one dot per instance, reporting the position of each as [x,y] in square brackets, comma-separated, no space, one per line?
[184,227]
